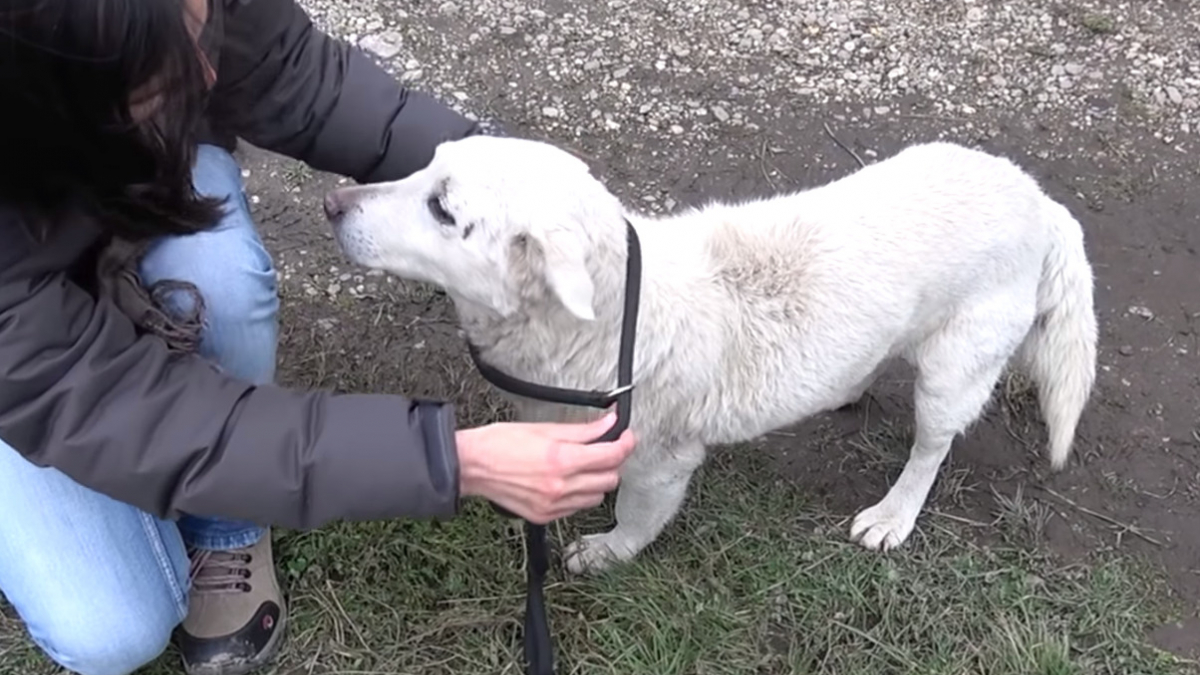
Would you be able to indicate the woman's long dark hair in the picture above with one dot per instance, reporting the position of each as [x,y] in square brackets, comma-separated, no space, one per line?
[68,138]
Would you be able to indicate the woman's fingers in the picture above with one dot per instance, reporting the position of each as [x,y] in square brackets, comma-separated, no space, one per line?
[600,482]
[560,497]
[542,472]
[579,432]
[579,458]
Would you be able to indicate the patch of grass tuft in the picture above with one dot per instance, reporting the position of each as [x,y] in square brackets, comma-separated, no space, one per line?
[1101,24]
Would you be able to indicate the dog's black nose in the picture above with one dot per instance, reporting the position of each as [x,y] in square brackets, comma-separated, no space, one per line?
[334,206]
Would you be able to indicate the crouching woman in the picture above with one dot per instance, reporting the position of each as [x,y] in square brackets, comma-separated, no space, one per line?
[144,451]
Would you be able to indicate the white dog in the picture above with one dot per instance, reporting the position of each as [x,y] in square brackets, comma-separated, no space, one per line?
[755,315]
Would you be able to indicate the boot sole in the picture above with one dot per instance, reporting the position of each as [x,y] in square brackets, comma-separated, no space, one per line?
[269,652]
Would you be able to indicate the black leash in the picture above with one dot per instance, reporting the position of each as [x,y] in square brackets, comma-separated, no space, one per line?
[539,648]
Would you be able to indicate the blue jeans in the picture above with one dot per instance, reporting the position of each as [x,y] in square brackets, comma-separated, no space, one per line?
[99,584]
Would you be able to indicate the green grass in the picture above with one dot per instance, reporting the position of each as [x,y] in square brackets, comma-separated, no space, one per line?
[747,580]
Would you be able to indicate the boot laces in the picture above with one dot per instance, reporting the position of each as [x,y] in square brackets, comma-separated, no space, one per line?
[220,571]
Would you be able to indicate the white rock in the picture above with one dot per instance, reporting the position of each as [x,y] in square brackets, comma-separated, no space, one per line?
[384,45]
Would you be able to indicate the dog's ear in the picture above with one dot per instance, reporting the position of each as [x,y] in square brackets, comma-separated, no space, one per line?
[567,274]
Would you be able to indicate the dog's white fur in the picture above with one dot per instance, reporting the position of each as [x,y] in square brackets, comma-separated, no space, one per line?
[753,315]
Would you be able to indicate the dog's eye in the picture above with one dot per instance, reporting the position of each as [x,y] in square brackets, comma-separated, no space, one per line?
[439,212]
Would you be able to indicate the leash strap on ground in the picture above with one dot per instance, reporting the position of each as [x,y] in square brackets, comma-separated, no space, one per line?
[539,647]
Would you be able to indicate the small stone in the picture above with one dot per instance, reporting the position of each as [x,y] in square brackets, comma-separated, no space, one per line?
[676,129]
[1144,312]
[384,45]
[550,111]
[1125,350]
[999,80]
[720,113]
[1174,95]
[1073,68]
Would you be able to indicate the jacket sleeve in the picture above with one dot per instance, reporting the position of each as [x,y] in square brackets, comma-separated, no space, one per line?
[82,392]
[285,86]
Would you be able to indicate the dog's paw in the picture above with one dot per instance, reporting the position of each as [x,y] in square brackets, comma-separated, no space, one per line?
[881,527]
[593,553]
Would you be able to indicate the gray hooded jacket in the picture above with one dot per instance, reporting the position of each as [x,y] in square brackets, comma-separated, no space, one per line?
[83,391]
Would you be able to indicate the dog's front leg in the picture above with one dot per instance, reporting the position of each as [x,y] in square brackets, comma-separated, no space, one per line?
[653,485]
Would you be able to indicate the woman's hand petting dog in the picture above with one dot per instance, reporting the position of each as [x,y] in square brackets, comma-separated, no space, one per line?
[542,472]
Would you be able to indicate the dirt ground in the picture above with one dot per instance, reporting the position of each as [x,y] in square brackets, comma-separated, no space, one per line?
[1135,478]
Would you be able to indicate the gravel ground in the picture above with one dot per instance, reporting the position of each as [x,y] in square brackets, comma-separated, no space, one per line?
[577,68]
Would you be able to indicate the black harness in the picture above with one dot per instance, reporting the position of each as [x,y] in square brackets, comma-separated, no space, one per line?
[539,649]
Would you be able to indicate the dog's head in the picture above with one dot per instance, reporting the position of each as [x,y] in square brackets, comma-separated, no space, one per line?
[495,221]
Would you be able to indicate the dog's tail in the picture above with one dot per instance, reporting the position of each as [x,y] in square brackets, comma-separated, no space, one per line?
[1060,351]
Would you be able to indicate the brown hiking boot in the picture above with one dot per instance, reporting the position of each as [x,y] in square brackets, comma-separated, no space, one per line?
[236,617]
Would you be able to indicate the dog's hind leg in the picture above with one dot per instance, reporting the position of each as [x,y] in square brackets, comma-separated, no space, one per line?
[649,496]
[958,368]
[856,395]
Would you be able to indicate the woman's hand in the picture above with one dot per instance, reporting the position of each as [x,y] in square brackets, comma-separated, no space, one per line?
[541,472]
